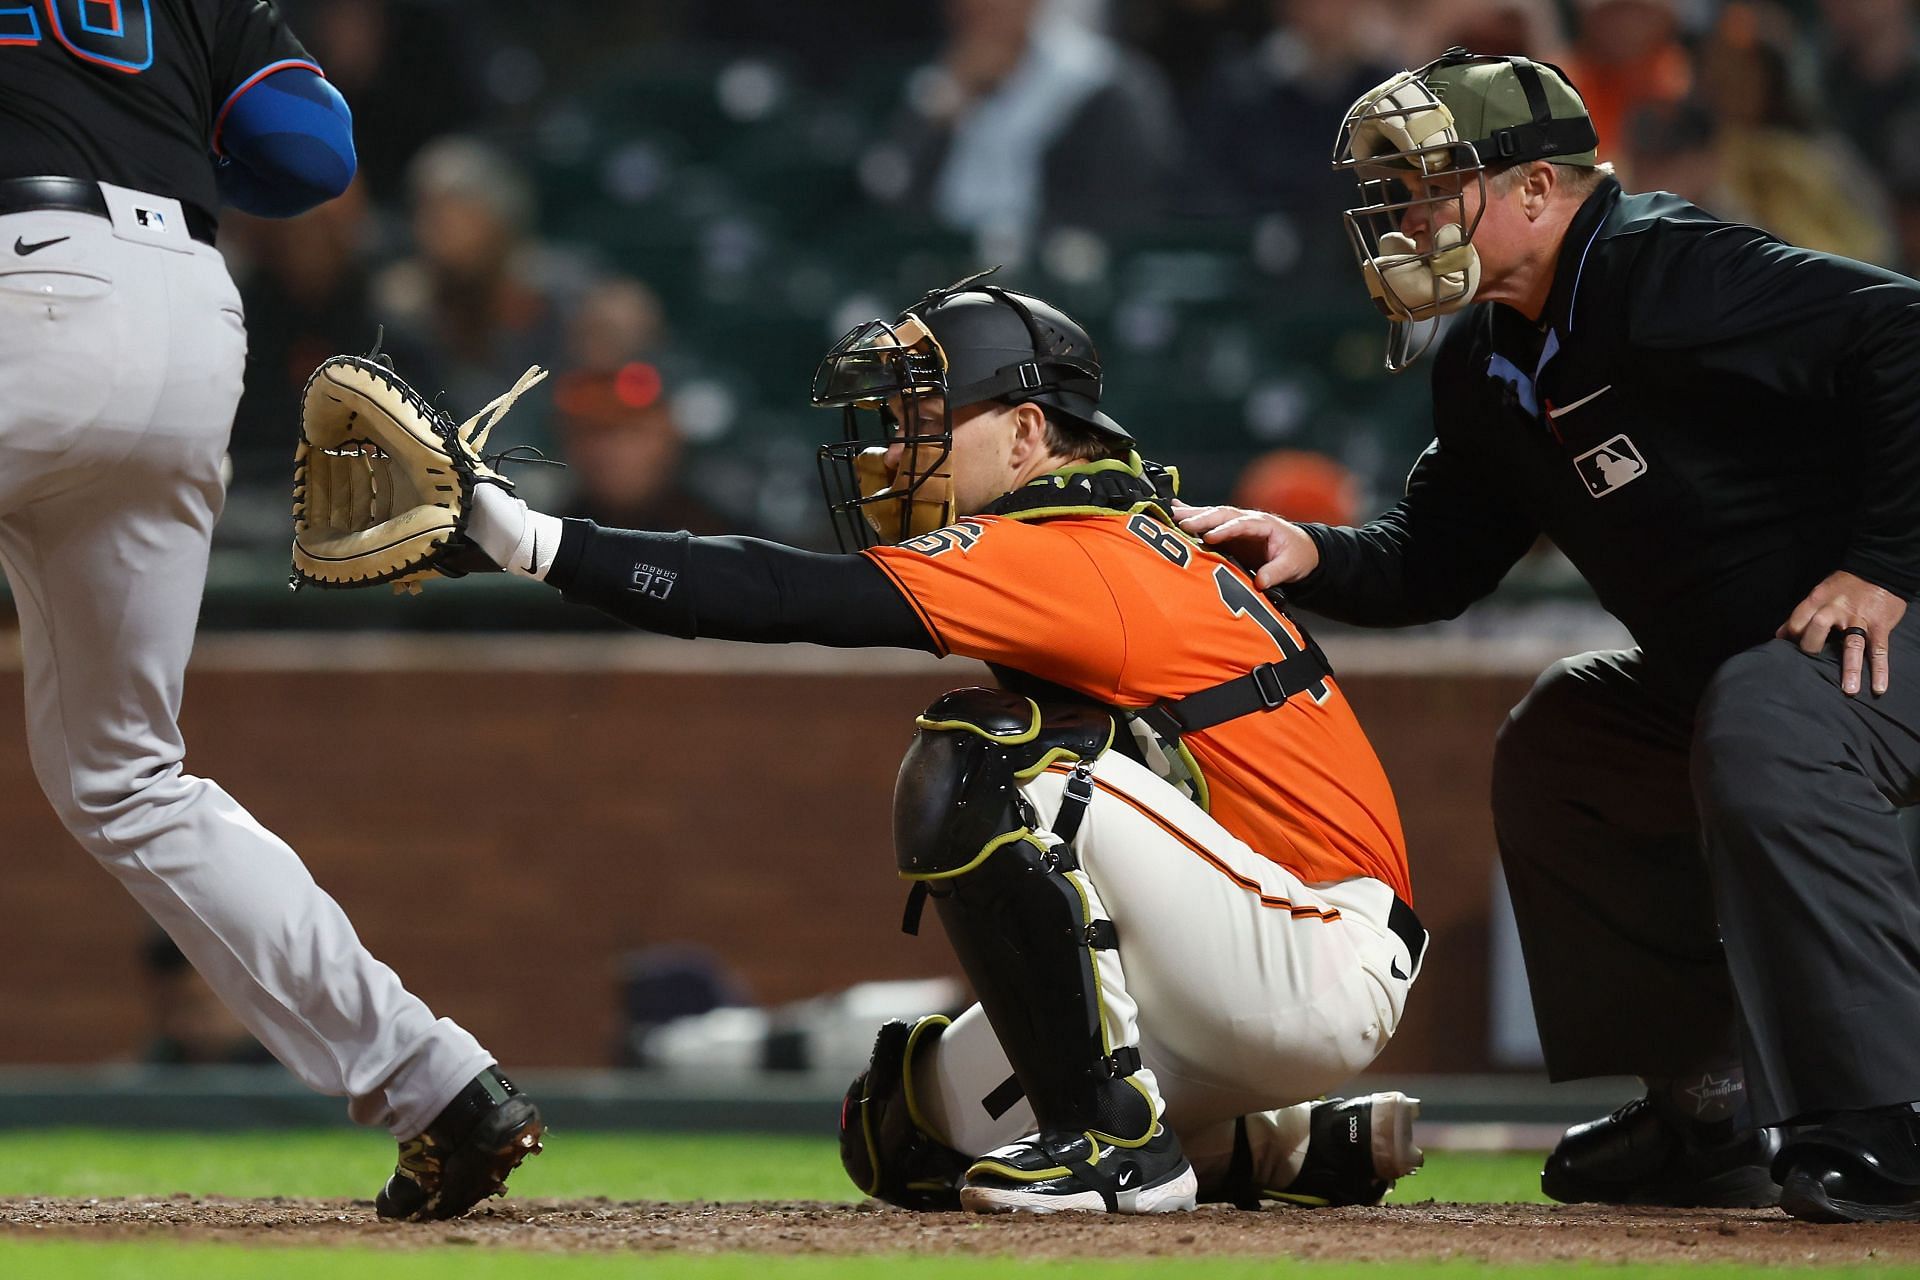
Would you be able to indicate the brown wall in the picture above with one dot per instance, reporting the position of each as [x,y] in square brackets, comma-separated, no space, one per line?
[501,838]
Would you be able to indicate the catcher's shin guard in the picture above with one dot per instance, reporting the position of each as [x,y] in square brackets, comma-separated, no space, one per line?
[886,1144]
[1025,922]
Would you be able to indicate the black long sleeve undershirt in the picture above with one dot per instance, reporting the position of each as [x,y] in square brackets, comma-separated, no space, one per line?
[733,588]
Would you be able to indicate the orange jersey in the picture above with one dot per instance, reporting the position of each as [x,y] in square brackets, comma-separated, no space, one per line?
[1124,609]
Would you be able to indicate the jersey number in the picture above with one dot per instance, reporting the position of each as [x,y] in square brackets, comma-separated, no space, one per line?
[961,536]
[1161,539]
[107,33]
[1241,600]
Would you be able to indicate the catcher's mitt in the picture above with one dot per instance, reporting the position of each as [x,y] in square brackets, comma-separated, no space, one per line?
[383,481]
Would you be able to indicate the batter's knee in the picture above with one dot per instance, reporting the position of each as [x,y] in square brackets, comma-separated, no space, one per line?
[115,810]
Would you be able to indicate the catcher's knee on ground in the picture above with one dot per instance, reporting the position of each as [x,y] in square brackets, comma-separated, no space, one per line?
[1027,925]
[887,1145]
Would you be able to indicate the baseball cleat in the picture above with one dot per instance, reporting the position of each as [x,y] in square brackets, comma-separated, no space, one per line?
[1639,1156]
[1079,1172]
[1356,1149]
[465,1155]
[1856,1166]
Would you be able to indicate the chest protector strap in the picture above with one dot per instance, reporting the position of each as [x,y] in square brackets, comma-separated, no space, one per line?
[1137,485]
[1265,688]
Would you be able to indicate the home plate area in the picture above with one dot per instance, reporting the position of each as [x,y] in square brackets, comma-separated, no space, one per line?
[1493,1233]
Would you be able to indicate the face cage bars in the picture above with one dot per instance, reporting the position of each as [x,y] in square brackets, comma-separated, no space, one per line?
[838,463]
[1382,212]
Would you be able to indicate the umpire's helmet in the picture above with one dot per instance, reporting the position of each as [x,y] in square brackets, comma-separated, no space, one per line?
[966,344]
[1422,138]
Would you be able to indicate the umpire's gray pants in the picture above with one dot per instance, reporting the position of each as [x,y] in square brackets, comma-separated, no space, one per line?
[1696,881]
[120,359]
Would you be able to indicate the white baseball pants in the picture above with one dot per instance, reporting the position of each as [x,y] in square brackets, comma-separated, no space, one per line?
[1253,992]
[121,350]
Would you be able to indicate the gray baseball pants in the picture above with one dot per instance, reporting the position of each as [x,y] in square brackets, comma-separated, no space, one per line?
[121,348]
[1696,881]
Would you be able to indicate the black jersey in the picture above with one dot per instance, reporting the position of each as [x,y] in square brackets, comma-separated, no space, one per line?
[1705,420]
[131,91]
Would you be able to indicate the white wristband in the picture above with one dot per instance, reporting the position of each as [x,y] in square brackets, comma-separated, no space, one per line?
[539,544]
[513,536]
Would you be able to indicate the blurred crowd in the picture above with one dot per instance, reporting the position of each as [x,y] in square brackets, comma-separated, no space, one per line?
[679,206]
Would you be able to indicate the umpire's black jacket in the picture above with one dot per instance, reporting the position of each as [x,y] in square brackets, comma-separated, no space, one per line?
[1705,420]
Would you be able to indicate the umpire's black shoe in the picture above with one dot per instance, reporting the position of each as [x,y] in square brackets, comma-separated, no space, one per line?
[1854,1166]
[466,1154]
[1639,1156]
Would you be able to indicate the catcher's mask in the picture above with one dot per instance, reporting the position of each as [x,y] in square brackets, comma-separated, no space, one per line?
[1420,141]
[960,346]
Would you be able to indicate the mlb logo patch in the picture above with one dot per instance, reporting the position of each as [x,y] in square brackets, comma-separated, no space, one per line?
[1610,467]
[151,219]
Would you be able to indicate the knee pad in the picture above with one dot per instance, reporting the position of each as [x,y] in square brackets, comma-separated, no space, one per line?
[1012,899]
[886,1146]
[958,798]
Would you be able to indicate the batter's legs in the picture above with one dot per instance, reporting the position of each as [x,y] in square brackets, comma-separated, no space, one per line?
[107,563]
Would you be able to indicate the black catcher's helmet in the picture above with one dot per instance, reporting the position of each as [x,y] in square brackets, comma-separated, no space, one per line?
[965,344]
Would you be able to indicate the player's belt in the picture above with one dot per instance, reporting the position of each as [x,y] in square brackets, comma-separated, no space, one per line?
[81,195]
[1403,924]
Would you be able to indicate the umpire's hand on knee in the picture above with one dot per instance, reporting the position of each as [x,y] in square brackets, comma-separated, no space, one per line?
[1864,614]
[1278,552]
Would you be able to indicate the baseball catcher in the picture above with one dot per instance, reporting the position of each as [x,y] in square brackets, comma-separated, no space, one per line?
[1163,849]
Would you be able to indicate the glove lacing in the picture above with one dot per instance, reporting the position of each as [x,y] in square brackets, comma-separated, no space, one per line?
[475,430]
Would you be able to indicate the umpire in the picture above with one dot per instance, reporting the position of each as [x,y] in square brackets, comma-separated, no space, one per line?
[1722,432]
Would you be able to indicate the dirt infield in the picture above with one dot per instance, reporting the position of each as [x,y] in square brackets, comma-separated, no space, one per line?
[1494,1233]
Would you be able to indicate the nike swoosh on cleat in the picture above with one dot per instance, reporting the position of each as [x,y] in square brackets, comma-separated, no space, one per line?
[1125,1179]
[21,247]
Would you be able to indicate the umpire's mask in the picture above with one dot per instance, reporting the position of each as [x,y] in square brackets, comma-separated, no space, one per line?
[959,346]
[1420,141]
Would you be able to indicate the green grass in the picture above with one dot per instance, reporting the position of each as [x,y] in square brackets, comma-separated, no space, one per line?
[619,1166]
[638,1167]
[344,1163]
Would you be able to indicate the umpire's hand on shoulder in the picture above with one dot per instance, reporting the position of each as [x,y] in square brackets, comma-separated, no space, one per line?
[1278,551]
[1864,614]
